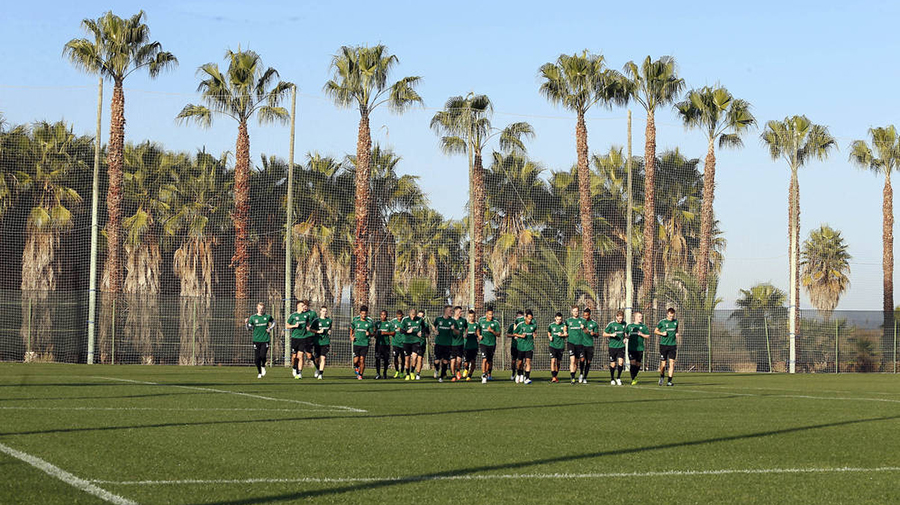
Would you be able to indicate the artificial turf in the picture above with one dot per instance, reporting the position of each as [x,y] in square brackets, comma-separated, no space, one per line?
[346,441]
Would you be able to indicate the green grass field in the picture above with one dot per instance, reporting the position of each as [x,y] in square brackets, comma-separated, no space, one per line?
[219,435]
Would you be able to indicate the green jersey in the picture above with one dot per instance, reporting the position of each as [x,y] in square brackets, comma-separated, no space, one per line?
[575,327]
[526,343]
[323,338]
[591,331]
[260,327]
[382,332]
[514,343]
[363,329]
[617,329]
[489,331]
[411,329]
[397,338]
[459,338]
[303,320]
[670,328]
[557,332]
[635,341]
[471,335]
[444,327]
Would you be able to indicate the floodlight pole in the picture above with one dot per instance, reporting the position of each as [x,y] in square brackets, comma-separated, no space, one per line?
[629,280]
[289,232]
[95,195]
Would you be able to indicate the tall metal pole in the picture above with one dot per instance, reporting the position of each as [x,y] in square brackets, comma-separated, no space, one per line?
[289,231]
[471,154]
[629,280]
[95,226]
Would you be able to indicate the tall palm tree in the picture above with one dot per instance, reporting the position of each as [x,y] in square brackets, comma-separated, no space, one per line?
[883,157]
[246,89]
[465,128]
[796,140]
[361,80]
[578,82]
[54,155]
[722,118]
[825,268]
[120,47]
[653,84]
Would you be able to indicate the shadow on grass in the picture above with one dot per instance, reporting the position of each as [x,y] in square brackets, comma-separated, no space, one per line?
[377,484]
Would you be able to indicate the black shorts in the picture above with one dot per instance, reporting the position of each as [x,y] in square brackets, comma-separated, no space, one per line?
[295,345]
[360,351]
[556,353]
[523,355]
[397,351]
[487,352]
[667,352]
[441,352]
[616,353]
[410,349]
[471,355]
[321,350]
[260,349]
[382,350]
[575,350]
[637,356]
[513,352]
[307,344]
[456,351]
[588,352]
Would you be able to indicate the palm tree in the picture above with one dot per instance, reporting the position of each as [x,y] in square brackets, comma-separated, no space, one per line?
[724,118]
[465,128]
[553,278]
[54,155]
[653,84]
[428,247]
[247,88]
[578,82]
[883,157]
[825,268]
[361,79]
[761,314]
[120,47]
[199,218]
[796,140]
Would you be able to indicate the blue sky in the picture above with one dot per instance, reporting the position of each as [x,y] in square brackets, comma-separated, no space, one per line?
[833,63]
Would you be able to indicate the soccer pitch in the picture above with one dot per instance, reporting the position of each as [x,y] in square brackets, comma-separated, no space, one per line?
[139,434]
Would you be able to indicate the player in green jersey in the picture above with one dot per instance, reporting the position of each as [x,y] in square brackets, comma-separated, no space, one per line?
[445,327]
[488,332]
[513,344]
[261,325]
[362,327]
[302,343]
[384,329]
[591,332]
[423,341]
[470,348]
[524,333]
[575,346]
[615,332]
[321,330]
[556,332]
[397,344]
[411,327]
[637,333]
[457,344]
[667,330]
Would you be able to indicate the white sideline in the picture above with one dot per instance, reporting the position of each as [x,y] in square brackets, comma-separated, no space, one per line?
[68,478]
[238,393]
[725,391]
[350,480]
[160,409]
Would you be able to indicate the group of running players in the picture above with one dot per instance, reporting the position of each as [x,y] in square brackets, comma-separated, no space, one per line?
[459,343]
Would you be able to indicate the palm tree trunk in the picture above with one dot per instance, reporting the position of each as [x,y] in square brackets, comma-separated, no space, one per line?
[142,285]
[240,261]
[706,214]
[38,280]
[361,207]
[794,288]
[647,262]
[478,226]
[887,260]
[115,160]
[587,214]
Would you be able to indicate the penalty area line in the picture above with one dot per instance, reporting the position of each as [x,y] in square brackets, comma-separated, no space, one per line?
[68,478]
[421,478]
[238,393]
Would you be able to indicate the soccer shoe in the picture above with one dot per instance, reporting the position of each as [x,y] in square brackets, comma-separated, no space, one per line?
[465,374]
[669,384]
[408,377]
[356,369]
[418,377]
[293,373]
[483,379]
[618,382]
[259,376]
[555,380]
[263,372]
[513,377]
[397,374]
[660,381]
[612,382]
[454,379]
[490,377]
[316,374]
[468,379]
[297,376]
[440,379]
[377,377]
[435,374]
[320,377]
[527,381]
[634,382]
[458,376]
[573,381]
[359,377]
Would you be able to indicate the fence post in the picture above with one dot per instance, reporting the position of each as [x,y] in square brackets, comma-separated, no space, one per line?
[768,346]
[837,348]
[895,346]
[194,336]
[112,359]
[709,344]
[30,349]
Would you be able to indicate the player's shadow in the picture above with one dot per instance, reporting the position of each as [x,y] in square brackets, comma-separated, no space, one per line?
[450,474]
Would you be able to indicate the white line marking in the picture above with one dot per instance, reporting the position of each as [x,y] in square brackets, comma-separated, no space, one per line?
[250,395]
[802,397]
[154,409]
[349,480]
[68,478]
